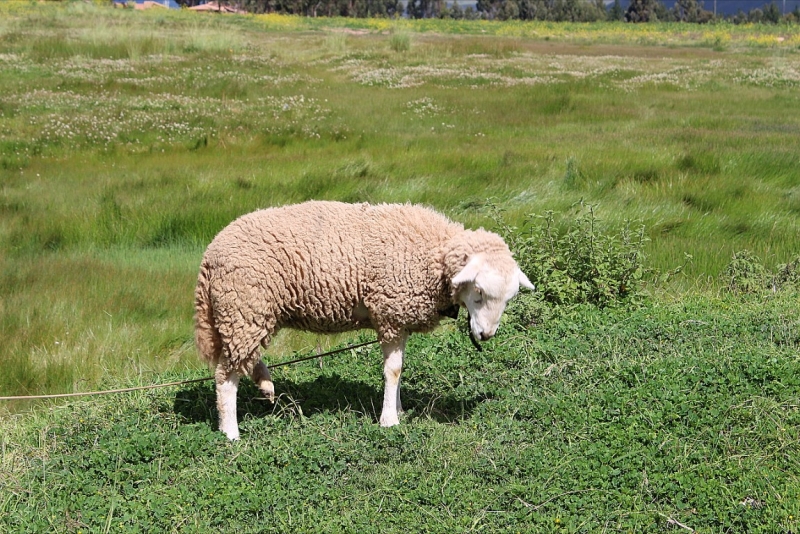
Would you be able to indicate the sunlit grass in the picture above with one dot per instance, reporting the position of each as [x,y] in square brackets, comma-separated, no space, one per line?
[622,419]
[128,139]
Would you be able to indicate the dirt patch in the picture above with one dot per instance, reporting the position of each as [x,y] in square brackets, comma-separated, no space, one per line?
[348,31]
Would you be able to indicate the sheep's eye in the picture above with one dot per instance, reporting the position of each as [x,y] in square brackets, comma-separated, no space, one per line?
[479,298]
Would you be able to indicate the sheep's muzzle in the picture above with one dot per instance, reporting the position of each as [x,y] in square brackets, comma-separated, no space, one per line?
[472,336]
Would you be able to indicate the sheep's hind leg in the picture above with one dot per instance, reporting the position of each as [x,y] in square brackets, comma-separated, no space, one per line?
[227,382]
[263,379]
[392,367]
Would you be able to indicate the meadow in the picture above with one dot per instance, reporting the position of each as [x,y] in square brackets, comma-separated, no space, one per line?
[128,139]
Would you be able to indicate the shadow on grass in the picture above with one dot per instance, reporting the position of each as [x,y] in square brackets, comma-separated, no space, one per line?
[197,403]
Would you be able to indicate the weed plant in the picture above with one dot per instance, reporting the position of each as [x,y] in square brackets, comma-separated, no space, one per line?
[747,274]
[580,264]
[400,42]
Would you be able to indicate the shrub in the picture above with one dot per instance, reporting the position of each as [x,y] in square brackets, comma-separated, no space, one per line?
[580,263]
[787,275]
[746,273]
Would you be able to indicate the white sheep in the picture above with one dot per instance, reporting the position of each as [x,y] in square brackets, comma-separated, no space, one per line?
[334,267]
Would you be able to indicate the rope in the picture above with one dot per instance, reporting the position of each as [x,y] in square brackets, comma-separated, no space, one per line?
[181,382]
[105,392]
[330,353]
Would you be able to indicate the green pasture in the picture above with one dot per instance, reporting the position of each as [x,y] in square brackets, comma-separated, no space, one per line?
[129,138]
[623,420]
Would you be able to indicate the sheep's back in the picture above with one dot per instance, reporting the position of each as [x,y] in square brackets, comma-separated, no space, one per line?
[316,265]
[286,263]
[406,287]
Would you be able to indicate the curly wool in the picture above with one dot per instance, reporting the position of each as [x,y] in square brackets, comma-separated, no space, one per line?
[328,267]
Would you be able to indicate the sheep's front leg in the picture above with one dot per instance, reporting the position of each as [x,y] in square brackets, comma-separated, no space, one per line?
[392,366]
[227,385]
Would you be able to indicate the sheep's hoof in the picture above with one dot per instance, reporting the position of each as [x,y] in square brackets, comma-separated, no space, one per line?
[267,389]
[389,420]
[232,434]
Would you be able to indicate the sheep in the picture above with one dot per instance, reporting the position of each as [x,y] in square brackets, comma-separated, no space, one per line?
[333,267]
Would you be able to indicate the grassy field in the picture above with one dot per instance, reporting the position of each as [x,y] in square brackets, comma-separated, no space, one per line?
[128,139]
[632,420]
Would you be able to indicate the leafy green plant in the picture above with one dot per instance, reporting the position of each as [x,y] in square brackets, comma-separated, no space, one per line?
[598,419]
[787,275]
[746,273]
[579,263]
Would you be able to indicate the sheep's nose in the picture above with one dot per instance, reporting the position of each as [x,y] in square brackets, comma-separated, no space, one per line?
[485,336]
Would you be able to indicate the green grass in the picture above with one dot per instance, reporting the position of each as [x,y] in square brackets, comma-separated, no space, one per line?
[104,149]
[618,420]
[128,139]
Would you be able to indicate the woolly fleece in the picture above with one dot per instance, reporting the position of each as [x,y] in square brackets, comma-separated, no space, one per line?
[329,267]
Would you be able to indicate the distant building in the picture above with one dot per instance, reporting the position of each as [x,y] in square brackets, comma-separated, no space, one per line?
[147,4]
[216,7]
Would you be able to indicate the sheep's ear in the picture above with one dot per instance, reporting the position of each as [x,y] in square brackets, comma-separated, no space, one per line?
[523,280]
[469,272]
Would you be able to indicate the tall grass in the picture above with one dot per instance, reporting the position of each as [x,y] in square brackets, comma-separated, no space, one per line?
[128,139]
[400,42]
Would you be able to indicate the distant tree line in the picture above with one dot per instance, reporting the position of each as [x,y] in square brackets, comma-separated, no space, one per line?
[694,11]
[548,10]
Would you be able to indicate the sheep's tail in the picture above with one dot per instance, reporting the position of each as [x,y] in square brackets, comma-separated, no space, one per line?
[206,335]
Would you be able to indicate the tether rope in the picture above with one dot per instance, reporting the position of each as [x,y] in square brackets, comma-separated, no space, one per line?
[181,382]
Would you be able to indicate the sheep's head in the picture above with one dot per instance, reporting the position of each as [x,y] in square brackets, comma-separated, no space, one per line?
[484,286]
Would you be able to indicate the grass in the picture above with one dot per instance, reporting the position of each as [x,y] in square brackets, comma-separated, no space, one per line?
[623,420]
[128,139]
